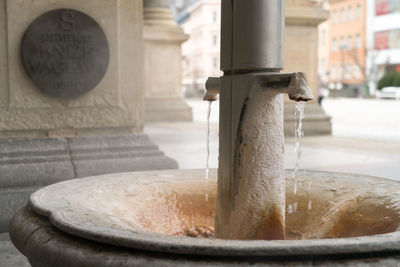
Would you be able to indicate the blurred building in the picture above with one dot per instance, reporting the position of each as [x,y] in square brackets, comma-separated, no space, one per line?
[383,37]
[178,6]
[201,57]
[323,51]
[342,48]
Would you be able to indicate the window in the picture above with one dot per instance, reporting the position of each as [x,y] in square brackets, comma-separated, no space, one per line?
[322,64]
[349,69]
[349,42]
[356,72]
[342,44]
[341,72]
[394,39]
[215,16]
[322,38]
[334,17]
[215,62]
[358,41]
[383,7]
[342,15]
[350,13]
[358,11]
[382,40]
[333,72]
[179,3]
[334,48]
[387,39]
[214,40]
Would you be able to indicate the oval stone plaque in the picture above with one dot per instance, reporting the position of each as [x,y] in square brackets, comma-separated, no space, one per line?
[65,53]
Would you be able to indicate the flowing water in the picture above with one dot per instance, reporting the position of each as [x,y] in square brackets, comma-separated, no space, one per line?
[299,115]
[208,144]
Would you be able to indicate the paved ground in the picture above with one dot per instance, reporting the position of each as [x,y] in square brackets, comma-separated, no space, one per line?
[186,142]
[375,151]
[374,119]
[377,119]
[9,256]
[355,146]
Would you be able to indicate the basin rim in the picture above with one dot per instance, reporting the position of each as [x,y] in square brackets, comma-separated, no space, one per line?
[384,243]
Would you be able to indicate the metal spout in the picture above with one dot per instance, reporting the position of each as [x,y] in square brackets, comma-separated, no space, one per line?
[212,89]
[294,84]
[298,89]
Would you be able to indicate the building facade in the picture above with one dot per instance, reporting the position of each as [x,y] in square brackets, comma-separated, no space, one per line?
[323,51]
[201,57]
[383,37]
[342,48]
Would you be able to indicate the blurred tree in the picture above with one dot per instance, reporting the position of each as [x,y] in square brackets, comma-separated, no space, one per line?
[389,79]
[397,79]
[367,74]
[359,61]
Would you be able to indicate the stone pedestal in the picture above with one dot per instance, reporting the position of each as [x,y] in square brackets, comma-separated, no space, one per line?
[162,62]
[315,122]
[301,54]
[45,138]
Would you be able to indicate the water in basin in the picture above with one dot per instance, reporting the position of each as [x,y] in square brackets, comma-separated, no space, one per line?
[340,208]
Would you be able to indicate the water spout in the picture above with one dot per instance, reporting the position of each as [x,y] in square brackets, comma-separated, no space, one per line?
[298,88]
[251,183]
[212,89]
[251,204]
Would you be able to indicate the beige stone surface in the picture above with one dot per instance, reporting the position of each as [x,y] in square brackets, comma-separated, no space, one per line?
[163,67]
[116,102]
[162,64]
[301,39]
[250,179]
[301,45]
[3,55]
[301,54]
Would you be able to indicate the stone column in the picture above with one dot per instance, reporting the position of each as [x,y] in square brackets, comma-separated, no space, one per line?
[162,64]
[301,54]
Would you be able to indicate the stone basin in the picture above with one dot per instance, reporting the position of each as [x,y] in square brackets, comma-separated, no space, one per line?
[149,218]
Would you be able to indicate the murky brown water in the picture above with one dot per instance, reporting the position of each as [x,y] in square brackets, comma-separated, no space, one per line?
[338,210]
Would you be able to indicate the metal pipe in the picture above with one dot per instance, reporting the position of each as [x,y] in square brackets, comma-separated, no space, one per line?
[252,34]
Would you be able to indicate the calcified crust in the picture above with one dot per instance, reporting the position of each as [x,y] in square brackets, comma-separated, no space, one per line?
[339,209]
[251,188]
[257,211]
[123,208]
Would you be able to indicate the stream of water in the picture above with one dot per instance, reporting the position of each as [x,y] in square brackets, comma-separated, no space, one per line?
[299,133]
[208,145]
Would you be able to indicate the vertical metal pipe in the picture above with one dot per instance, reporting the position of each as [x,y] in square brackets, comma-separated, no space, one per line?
[251,42]
[252,34]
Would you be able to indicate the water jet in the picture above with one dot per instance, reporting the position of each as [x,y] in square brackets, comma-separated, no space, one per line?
[151,218]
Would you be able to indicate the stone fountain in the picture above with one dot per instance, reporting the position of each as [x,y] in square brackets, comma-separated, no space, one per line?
[159,218]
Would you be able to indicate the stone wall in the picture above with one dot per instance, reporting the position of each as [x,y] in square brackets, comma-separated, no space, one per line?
[116,103]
